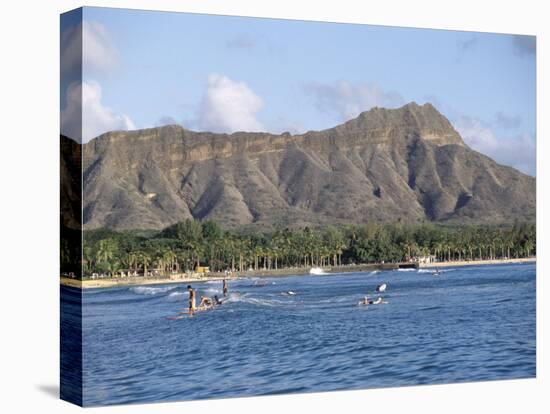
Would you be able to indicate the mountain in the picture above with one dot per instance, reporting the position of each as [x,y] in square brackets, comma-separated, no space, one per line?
[386,164]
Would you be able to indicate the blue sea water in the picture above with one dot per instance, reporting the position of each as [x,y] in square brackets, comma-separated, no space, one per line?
[468,324]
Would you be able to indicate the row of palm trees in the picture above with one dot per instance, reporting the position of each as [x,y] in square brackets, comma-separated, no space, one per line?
[186,245]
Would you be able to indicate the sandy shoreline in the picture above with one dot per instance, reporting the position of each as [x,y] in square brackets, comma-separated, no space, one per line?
[104,283]
[134,281]
[478,262]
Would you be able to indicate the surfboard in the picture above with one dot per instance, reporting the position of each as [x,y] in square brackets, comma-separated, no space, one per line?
[187,311]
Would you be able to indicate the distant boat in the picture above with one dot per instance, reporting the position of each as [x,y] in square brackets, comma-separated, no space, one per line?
[316,271]
[381,288]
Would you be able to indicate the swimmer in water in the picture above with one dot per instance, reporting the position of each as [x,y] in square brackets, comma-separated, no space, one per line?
[206,302]
[367,301]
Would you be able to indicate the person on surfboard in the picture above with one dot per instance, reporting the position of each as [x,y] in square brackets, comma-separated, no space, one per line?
[367,301]
[217,302]
[192,299]
[225,287]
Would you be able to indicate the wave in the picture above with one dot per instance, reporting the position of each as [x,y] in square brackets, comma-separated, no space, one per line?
[406,270]
[430,308]
[317,271]
[245,298]
[212,291]
[146,290]
[433,270]
[175,296]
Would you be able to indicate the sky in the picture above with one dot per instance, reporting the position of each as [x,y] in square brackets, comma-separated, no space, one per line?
[141,69]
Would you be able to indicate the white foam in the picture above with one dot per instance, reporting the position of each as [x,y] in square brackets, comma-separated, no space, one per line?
[146,290]
[212,291]
[245,298]
[433,270]
[175,296]
[406,270]
[317,271]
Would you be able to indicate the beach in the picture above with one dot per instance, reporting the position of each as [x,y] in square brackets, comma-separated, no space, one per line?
[196,277]
[131,281]
[478,262]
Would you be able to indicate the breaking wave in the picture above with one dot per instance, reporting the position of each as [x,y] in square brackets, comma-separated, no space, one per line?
[146,290]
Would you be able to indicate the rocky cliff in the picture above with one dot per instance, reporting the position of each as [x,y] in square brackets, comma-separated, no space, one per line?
[386,164]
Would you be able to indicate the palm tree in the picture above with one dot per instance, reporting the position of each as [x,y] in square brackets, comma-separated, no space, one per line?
[528,246]
[106,250]
[410,248]
[169,258]
[145,261]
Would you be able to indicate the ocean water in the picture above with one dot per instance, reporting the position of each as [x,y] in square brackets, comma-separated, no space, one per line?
[468,324]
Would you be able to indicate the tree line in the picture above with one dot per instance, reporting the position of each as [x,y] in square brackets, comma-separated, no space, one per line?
[188,244]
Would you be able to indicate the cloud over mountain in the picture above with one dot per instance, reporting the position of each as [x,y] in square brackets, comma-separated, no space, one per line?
[518,151]
[85,117]
[344,100]
[229,106]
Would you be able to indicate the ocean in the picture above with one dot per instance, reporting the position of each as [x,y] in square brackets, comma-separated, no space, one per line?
[474,323]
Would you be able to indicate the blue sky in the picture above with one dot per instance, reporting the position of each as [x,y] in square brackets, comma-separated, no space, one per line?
[143,69]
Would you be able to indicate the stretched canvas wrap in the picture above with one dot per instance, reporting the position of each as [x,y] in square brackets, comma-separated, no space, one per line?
[261,206]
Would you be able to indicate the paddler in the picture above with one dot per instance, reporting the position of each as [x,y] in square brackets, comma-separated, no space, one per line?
[192,300]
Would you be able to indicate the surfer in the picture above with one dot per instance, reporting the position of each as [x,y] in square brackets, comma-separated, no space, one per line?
[225,287]
[367,301]
[192,300]
[217,302]
[206,302]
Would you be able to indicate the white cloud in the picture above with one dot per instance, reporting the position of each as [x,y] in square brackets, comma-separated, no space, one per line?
[71,50]
[99,52]
[518,151]
[507,121]
[344,100]
[85,117]
[88,44]
[229,106]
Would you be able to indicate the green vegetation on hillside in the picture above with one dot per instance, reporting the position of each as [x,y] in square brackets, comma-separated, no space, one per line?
[184,245]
